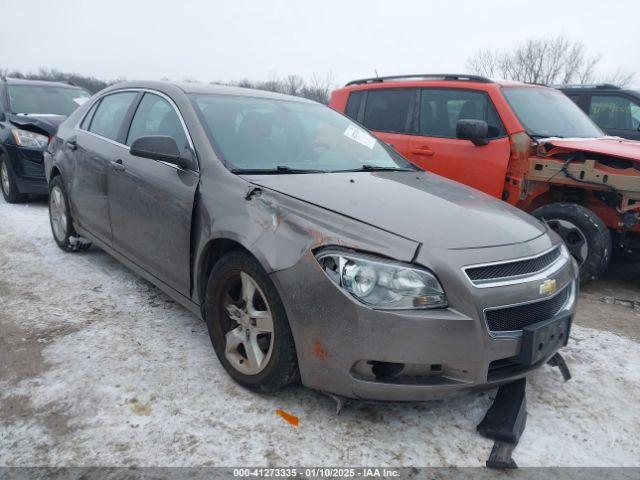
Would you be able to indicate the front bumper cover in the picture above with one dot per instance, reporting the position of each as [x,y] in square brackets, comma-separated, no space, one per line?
[343,346]
[27,166]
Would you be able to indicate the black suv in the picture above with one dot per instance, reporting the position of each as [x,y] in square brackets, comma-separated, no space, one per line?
[30,112]
[614,109]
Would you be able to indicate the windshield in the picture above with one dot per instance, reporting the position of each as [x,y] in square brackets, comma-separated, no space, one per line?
[265,135]
[550,113]
[45,100]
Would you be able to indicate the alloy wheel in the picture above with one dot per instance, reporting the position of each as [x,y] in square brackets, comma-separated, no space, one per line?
[58,213]
[4,177]
[248,325]
[573,237]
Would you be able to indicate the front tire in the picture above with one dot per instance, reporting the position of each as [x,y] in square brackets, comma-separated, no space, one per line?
[586,236]
[8,184]
[60,218]
[248,325]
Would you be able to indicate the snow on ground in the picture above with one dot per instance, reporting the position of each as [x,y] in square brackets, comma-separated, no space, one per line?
[97,367]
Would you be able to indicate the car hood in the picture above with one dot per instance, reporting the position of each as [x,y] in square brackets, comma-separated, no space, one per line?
[418,206]
[45,124]
[611,146]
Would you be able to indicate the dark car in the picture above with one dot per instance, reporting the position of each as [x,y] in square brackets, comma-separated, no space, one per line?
[311,249]
[616,110]
[30,112]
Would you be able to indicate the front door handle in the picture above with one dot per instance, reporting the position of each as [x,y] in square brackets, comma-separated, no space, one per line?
[426,151]
[118,166]
[72,144]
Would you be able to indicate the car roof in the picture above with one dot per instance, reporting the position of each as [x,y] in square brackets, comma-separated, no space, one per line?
[207,89]
[40,83]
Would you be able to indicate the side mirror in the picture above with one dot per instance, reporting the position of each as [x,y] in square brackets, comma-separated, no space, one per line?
[473,130]
[162,148]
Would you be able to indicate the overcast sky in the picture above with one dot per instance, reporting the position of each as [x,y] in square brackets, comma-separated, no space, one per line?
[231,40]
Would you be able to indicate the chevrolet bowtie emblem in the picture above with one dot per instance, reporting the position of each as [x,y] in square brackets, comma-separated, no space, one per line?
[548,286]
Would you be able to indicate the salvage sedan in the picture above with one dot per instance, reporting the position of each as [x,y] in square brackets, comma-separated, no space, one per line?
[311,249]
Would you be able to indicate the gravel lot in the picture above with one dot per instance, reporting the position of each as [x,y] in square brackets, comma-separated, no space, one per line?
[97,367]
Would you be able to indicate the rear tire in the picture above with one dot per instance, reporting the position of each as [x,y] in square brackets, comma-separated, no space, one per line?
[60,218]
[585,235]
[8,184]
[248,325]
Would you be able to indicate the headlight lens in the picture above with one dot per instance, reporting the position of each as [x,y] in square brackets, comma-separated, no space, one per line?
[382,284]
[28,139]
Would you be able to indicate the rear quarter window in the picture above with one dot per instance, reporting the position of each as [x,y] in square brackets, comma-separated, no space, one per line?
[354,104]
[86,121]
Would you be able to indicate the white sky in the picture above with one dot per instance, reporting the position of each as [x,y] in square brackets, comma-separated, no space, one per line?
[231,40]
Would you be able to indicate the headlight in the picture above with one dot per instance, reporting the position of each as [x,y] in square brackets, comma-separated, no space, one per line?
[28,139]
[381,283]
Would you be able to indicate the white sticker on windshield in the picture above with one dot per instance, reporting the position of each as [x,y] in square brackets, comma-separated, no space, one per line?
[80,100]
[358,135]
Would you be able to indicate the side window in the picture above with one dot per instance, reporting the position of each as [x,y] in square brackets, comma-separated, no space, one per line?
[440,110]
[387,110]
[574,98]
[108,118]
[353,104]
[612,111]
[156,116]
[87,118]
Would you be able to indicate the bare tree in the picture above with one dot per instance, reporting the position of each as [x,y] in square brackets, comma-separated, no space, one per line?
[619,78]
[92,84]
[317,88]
[293,84]
[548,61]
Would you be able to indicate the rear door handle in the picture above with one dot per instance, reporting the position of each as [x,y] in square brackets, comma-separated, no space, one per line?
[72,144]
[118,166]
[426,151]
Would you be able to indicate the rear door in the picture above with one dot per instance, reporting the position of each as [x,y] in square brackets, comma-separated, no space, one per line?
[151,202]
[96,142]
[616,114]
[386,112]
[433,144]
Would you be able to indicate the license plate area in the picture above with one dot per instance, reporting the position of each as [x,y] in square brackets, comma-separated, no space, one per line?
[542,339]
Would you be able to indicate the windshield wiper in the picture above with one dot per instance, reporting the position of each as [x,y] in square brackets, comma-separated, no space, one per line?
[279,170]
[374,168]
[538,135]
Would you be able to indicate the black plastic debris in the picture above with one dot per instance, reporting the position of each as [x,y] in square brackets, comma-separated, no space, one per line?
[558,361]
[504,423]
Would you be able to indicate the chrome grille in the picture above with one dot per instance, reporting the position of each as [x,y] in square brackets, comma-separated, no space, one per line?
[501,271]
[514,318]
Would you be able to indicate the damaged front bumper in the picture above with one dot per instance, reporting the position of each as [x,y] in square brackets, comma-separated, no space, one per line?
[27,165]
[348,349]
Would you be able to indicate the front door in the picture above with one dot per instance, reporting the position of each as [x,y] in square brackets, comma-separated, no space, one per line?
[151,202]
[435,148]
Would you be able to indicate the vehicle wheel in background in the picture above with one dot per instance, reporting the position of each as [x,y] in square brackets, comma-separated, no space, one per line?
[60,218]
[248,325]
[8,184]
[586,236]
